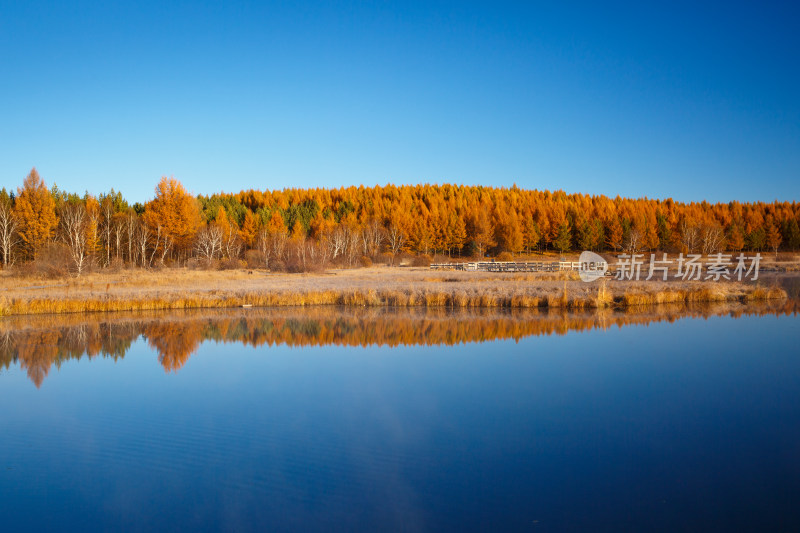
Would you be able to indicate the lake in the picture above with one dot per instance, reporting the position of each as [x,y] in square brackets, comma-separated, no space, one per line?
[669,419]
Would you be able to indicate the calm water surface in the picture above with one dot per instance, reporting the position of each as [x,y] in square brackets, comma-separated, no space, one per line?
[353,421]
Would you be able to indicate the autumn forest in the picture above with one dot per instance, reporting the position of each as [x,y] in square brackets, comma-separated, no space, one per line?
[48,230]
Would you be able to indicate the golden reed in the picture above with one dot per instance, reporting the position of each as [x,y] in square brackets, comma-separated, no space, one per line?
[454,298]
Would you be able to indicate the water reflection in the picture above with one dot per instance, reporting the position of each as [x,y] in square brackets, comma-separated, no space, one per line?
[38,343]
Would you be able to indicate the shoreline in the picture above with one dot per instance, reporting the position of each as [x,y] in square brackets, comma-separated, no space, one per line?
[368,287]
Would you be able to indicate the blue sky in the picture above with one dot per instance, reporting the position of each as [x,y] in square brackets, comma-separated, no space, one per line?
[636,99]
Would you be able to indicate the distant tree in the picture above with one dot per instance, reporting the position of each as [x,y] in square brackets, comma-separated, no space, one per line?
[421,236]
[36,213]
[663,230]
[735,238]
[531,234]
[272,239]
[93,215]
[481,229]
[756,239]
[275,224]
[107,213]
[773,235]
[298,233]
[249,229]
[651,238]
[175,211]
[396,238]
[689,235]
[457,233]
[372,237]
[508,233]
[635,241]
[9,238]
[792,234]
[231,244]
[588,235]
[75,230]
[563,238]
[271,245]
[208,244]
[613,233]
[712,238]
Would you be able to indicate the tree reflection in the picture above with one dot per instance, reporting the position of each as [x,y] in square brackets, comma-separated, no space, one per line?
[36,343]
[174,341]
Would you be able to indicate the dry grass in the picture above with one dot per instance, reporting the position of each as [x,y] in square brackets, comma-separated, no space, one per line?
[714,293]
[763,293]
[604,297]
[369,287]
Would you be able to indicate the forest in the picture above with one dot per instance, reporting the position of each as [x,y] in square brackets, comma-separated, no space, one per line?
[48,231]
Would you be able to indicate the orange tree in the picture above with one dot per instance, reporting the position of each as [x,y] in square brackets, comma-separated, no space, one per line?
[176,212]
[36,212]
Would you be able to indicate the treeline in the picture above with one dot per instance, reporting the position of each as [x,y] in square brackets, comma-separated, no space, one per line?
[303,229]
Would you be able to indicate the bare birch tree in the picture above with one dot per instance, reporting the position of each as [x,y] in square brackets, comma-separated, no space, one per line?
[74,225]
[118,228]
[131,224]
[634,241]
[142,237]
[690,235]
[271,245]
[713,239]
[396,239]
[372,237]
[9,238]
[209,242]
[107,228]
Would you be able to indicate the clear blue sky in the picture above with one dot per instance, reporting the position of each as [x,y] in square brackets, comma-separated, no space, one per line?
[683,100]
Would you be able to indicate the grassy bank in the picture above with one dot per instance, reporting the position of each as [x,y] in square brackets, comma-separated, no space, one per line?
[379,286]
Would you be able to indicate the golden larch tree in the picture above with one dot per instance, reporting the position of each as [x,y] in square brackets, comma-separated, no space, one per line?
[223,222]
[36,212]
[276,224]
[773,235]
[92,207]
[249,229]
[175,211]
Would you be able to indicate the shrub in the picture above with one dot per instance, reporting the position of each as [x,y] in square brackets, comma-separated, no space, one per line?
[383,259]
[277,265]
[421,261]
[231,264]
[116,264]
[54,261]
[365,261]
[254,259]
[208,264]
[505,256]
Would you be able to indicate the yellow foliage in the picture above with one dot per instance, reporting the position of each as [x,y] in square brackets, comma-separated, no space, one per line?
[36,212]
[175,211]
[249,229]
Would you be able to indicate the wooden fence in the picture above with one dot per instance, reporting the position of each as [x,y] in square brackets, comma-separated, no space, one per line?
[515,266]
